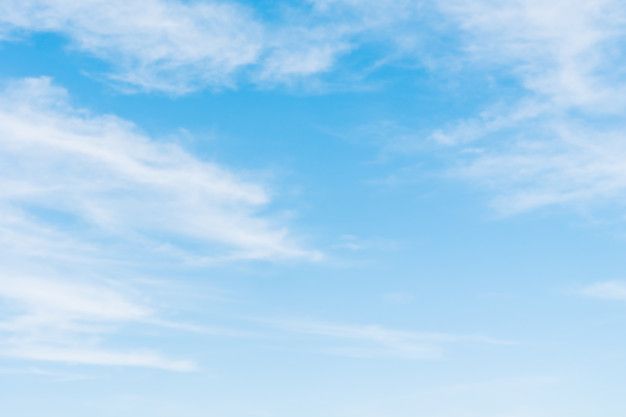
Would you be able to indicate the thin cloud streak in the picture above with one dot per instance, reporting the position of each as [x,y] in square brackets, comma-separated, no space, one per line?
[57,320]
[99,172]
[367,341]
[99,357]
[607,290]
[87,203]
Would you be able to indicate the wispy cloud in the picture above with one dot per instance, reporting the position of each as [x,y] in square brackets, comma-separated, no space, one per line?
[61,320]
[177,47]
[609,290]
[377,341]
[560,141]
[154,44]
[87,203]
[555,138]
[101,176]
[51,374]
[559,50]
[48,299]
[93,356]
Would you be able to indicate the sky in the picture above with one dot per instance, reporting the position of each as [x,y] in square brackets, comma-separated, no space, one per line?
[312,208]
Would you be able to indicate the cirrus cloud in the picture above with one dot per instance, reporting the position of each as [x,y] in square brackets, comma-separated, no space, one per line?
[88,203]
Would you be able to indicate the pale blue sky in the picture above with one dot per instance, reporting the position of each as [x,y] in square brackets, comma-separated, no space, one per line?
[317,208]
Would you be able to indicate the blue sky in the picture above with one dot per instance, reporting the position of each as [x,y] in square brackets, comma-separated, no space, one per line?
[341,208]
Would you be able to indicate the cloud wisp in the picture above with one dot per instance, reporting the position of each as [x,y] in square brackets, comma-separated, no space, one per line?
[607,290]
[66,321]
[561,141]
[557,137]
[177,47]
[375,341]
[155,44]
[98,176]
[88,203]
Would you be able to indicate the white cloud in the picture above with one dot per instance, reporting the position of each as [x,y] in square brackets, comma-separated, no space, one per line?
[377,341]
[566,163]
[98,357]
[179,46]
[88,202]
[52,298]
[562,140]
[153,44]
[61,320]
[559,49]
[99,175]
[610,290]
[297,52]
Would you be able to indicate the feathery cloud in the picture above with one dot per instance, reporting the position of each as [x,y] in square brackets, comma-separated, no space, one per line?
[66,320]
[87,202]
[609,290]
[99,175]
[177,47]
[154,44]
[365,341]
[561,141]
